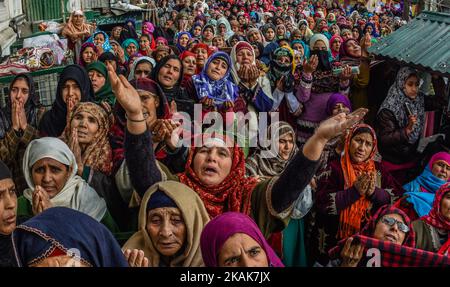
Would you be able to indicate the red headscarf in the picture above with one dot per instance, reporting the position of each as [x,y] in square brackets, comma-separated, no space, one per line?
[351,217]
[232,194]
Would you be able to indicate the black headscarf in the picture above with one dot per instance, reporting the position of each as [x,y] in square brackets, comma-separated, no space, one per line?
[6,249]
[54,121]
[31,106]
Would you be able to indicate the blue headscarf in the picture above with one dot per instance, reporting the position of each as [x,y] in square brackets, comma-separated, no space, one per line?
[106,46]
[374,32]
[67,230]
[181,48]
[196,24]
[306,52]
[221,90]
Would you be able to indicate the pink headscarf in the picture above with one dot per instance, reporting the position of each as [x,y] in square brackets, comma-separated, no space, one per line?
[444,156]
[335,53]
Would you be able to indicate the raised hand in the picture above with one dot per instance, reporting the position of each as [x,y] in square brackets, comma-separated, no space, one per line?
[371,188]
[41,200]
[76,149]
[351,254]
[362,184]
[346,73]
[136,258]
[310,66]
[15,115]
[22,116]
[336,125]
[412,120]
[70,103]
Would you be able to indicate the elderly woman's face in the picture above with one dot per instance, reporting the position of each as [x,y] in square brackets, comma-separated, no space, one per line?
[285,146]
[445,206]
[240,250]
[340,108]
[189,65]
[244,57]
[201,56]
[149,102]
[388,229]
[78,19]
[167,230]
[353,49]
[441,170]
[116,32]
[51,175]
[87,127]
[360,148]
[8,206]
[212,164]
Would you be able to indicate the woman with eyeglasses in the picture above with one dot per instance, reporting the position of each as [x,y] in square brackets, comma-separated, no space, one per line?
[354,187]
[433,230]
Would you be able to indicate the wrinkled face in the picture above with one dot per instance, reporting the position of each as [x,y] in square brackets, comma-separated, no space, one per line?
[51,175]
[160,55]
[441,170]
[212,164]
[144,43]
[217,69]
[131,49]
[202,55]
[189,65]
[384,231]
[77,20]
[20,90]
[184,39]
[97,80]
[353,49]
[244,57]
[411,87]
[240,250]
[87,127]
[208,34]
[270,34]
[218,42]
[254,36]
[445,206]
[8,206]
[167,230]
[360,148]
[116,32]
[340,108]
[99,39]
[169,74]
[197,31]
[149,102]
[336,45]
[71,90]
[89,55]
[285,146]
[319,45]
[143,70]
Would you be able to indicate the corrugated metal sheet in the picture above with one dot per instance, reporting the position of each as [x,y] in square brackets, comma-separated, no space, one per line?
[92,4]
[38,10]
[424,42]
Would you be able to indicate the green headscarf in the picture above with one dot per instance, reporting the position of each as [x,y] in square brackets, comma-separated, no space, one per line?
[127,43]
[105,94]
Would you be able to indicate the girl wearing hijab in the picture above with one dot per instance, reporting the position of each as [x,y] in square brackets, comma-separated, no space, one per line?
[356,186]
[88,54]
[101,40]
[208,33]
[48,240]
[335,45]
[196,30]
[189,66]
[433,229]
[74,86]
[142,68]
[130,47]
[182,40]
[219,238]
[18,124]
[183,208]
[100,83]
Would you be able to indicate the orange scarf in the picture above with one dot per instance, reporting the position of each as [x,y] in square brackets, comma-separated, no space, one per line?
[350,218]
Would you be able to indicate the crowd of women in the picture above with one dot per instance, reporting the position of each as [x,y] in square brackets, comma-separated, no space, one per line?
[99,179]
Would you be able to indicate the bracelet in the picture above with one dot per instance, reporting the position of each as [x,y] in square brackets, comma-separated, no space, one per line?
[134,121]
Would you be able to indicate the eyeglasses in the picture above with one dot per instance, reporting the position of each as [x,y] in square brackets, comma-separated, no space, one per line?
[391,221]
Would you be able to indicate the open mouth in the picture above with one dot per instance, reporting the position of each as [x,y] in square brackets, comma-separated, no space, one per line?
[10,219]
[391,238]
[82,133]
[210,170]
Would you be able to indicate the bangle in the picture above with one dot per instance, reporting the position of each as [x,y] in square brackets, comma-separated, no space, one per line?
[134,121]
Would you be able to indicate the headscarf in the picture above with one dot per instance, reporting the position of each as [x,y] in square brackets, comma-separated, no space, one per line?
[435,217]
[194,216]
[273,165]
[219,229]
[181,48]
[98,155]
[173,93]
[220,91]
[421,190]
[350,218]
[71,28]
[127,43]
[162,39]
[396,100]
[58,231]
[333,38]
[31,106]
[235,65]
[137,62]
[266,27]
[148,28]
[232,194]
[374,31]
[229,32]
[105,94]
[337,98]
[345,57]
[84,47]
[252,30]
[195,25]
[106,45]
[162,111]
[76,193]
[277,69]
[54,121]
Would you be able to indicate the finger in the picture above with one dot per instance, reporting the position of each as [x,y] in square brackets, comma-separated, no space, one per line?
[140,258]
[133,256]
[146,262]
[127,253]
[173,107]
[348,244]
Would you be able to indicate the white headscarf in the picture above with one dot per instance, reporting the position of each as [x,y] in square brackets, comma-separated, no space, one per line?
[76,193]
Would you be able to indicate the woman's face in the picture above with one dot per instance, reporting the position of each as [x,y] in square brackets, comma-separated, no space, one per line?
[8,206]
[189,65]
[97,80]
[217,69]
[143,70]
[244,57]
[201,57]
[20,90]
[77,20]
[284,60]
[51,175]
[144,43]
[270,34]
[384,231]
[87,127]
[184,39]
[160,43]
[99,39]
[115,48]
[302,30]
[297,35]
[346,35]
[369,30]
[299,47]
[360,148]
[89,55]
[160,55]
[281,30]
[285,146]
[197,31]
[150,103]
[441,170]
[169,74]
[208,34]
[218,42]
[71,90]
[355,33]
[353,49]
[340,108]
[254,36]
[445,206]
[334,30]
[319,45]
[222,29]
[411,87]
[167,230]
[240,250]
[116,32]
[336,45]
[212,164]
[131,49]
